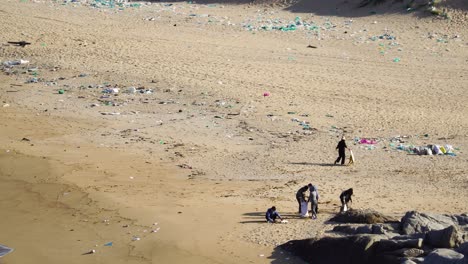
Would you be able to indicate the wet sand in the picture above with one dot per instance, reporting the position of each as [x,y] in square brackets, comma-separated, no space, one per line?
[206,153]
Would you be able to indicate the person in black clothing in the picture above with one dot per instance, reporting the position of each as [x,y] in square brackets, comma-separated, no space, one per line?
[341,151]
[300,196]
[345,198]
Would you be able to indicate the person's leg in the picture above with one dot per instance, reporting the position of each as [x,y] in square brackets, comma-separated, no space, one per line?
[337,160]
[343,157]
[314,210]
[274,218]
[299,202]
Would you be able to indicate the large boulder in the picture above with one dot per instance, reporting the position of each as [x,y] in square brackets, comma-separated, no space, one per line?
[360,216]
[343,250]
[445,238]
[445,256]
[415,222]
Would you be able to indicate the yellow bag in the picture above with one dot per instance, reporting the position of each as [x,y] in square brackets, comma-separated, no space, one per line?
[351,158]
[443,149]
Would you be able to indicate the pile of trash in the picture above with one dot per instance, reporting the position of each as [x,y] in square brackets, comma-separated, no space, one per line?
[431,149]
[261,24]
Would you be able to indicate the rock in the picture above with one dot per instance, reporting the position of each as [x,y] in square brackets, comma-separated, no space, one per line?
[347,229]
[407,252]
[407,261]
[364,230]
[343,250]
[412,236]
[378,230]
[463,249]
[367,216]
[386,245]
[445,238]
[462,219]
[414,222]
[445,256]
[418,260]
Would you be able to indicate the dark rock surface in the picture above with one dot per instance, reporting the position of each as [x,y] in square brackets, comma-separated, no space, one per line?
[359,216]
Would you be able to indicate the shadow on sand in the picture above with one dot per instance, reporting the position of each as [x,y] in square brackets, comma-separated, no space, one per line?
[314,164]
[259,217]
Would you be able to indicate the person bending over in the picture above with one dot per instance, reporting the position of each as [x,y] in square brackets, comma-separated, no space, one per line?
[345,198]
[300,196]
[271,215]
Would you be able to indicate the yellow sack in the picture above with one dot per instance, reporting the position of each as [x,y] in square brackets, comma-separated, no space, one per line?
[351,158]
[443,149]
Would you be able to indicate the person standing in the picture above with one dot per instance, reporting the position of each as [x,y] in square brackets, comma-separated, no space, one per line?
[341,147]
[313,199]
[300,196]
[271,215]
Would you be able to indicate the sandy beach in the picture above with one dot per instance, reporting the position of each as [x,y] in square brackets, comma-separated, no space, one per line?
[161,132]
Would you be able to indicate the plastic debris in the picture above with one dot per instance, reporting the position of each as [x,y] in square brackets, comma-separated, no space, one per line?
[15,62]
[5,250]
[92,251]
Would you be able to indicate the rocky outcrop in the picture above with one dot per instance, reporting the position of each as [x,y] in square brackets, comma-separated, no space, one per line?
[367,216]
[365,229]
[344,250]
[445,256]
[415,222]
[445,238]
[423,238]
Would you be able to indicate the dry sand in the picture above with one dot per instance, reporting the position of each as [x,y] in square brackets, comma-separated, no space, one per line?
[185,174]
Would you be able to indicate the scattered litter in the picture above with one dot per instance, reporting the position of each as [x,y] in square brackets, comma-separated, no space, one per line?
[15,62]
[135,238]
[185,166]
[92,251]
[108,244]
[6,105]
[5,250]
[19,43]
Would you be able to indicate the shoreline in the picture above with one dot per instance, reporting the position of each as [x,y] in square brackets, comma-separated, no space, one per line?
[119,122]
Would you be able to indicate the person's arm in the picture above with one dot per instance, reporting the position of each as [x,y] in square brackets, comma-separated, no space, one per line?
[278,215]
